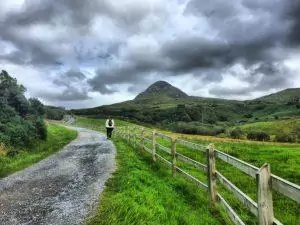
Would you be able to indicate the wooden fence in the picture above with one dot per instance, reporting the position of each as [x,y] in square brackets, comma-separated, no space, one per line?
[262,208]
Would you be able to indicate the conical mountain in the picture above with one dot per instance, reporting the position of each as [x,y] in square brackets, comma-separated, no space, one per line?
[161,88]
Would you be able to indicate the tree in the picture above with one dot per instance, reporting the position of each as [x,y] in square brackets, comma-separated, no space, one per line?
[236,133]
[13,94]
[36,107]
[20,119]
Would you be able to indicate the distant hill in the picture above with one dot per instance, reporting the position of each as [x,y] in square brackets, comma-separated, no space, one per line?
[163,103]
[284,96]
[160,88]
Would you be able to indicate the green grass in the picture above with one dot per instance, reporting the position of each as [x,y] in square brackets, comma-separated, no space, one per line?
[92,123]
[58,137]
[284,161]
[273,127]
[141,192]
[283,158]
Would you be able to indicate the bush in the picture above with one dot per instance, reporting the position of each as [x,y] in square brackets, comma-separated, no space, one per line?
[20,119]
[55,113]
[41,128]
[285,138]
[258,136]
[236,133]
[187,128]
[248,115]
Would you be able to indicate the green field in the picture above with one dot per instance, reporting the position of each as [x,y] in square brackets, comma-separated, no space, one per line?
[141,192]
[58,137]
[283,158]
[274,127]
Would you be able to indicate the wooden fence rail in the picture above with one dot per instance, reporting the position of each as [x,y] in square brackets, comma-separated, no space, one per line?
[262,209]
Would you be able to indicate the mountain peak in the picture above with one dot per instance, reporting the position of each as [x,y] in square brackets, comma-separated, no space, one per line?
[161,88]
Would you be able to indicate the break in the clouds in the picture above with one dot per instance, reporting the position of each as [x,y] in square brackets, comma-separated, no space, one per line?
[77,53]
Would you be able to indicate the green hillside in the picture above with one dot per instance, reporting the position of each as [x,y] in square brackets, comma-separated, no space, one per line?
[285,96]
[165,105]
[274,127]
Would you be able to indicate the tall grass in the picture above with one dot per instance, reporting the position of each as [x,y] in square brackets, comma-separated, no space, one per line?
[58,137]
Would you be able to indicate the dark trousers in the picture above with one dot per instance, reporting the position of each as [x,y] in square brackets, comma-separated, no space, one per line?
[109,131]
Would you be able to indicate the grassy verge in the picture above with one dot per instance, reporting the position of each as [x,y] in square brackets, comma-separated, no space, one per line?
[58,137]
[141,192]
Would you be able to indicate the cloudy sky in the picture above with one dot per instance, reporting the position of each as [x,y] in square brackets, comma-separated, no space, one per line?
[77,54]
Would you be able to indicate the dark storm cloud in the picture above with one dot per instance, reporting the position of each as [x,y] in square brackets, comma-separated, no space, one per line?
[70,94]
[275,76]
[146,38]
[105,79]
[246,31]
[71,86]
[292,13]
[249,32]
[70,12]
[71,76]
[75,16]
[265,76]
[134,70]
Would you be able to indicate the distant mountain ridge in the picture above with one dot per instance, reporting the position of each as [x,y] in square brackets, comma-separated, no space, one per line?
[161,88]
[163,103]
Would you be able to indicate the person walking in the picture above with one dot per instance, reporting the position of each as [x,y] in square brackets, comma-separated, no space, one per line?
[110,125]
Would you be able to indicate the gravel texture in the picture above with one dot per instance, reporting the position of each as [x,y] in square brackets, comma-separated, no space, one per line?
[62,189]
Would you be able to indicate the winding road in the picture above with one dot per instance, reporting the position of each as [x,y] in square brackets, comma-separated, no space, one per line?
[62,189]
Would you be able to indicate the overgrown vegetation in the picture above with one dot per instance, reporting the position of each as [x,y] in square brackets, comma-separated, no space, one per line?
[57,137]
[21,120]
[24,137]
[55,113]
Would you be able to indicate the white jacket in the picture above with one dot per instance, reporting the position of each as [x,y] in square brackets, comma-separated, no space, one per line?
[107,125]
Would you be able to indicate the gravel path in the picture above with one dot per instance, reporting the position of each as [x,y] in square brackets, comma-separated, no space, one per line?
[62,189]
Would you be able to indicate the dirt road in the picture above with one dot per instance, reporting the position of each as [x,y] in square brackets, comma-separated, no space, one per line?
[62,189]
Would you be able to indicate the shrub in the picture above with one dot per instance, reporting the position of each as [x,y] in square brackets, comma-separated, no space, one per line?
[3,149]
[187,128]
[285,138]
[258,136]
[236,133]
[41,128]
[12,153]
[248,115]
[20,121]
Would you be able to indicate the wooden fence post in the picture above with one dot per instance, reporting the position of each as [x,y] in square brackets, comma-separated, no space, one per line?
[142,139]
[264,195]
[154,146]
[211,174]
[173,152]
